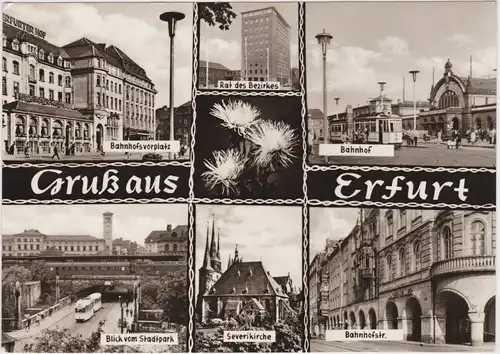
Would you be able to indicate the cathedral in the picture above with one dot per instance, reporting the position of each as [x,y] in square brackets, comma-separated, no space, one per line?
[244,287]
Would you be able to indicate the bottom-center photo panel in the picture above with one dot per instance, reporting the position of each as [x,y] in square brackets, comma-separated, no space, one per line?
[249,294]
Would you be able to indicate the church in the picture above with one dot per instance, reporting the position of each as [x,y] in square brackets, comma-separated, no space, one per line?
[245,287]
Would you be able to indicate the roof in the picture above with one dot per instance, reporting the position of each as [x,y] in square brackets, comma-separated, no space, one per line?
[12,33]
[73,238]
[212,65]
[178,233]
[283,281]
[269,8]
[480,84]
[315,113]
[128,64]
[246,278]
[52,111]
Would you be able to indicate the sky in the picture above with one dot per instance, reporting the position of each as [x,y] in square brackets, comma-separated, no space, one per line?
[134,28]
[130,222]
[383,41]
[334,223]
[271,234]
[225,46]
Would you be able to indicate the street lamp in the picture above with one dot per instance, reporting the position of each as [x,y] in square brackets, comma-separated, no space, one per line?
[337,99]
[58,295]
[414,74]
[121,313]
[172,18]
[324,39]
[17,294]
[382,85]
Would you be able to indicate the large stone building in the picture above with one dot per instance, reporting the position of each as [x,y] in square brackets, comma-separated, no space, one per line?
[78,95]
[172,240]
[244,287]
[216,72]
[183,116]
[265,46]
[430,273]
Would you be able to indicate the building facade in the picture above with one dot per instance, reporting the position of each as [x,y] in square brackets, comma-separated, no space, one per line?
[172,240]
[215,73]
[265,46]
[430,273]
[183,117]
[243,288]
[74,97]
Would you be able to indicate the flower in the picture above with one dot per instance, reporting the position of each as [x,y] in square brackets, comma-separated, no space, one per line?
[274,143]
[236,115]
[225,170]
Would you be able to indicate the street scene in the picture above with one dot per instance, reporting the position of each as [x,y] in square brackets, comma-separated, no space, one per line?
[248,42]
[65,284]
[433,101]
[241,284]
[375,269]
[52,110]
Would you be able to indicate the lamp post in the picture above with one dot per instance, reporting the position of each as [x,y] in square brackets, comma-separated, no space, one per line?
[66,143]
[414,74]
[324,39]
[382,85]
[58,295]
[171,18]
[121,313]
[17,294]
[246,58]
[337,99]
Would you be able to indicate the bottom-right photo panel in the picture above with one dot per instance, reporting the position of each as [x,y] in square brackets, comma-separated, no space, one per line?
[402,280]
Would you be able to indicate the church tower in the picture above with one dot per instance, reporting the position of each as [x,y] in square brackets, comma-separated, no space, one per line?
[107,231]
[215,250]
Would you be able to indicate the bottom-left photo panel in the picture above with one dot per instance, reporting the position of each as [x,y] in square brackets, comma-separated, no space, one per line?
[95,278]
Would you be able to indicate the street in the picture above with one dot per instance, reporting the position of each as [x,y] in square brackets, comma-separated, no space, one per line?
[318,345]
[110,313]
[435,155]
[95,156]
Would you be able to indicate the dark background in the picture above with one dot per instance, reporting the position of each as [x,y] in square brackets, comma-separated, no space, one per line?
[16,183]
[211,136]
[481,185]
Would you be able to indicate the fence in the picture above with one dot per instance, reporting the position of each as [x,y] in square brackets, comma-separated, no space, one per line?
[47,312]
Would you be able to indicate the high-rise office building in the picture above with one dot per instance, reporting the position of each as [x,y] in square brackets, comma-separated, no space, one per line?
[265,46]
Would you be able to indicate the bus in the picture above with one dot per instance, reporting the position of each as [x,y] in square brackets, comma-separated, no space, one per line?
[97,299]
[381,129]
[84,309]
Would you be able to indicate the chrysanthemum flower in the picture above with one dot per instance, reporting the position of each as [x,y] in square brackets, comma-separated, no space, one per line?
[274,143]
[224,171]
[236,115]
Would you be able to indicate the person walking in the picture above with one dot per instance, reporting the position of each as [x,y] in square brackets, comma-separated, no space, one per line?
[56,153]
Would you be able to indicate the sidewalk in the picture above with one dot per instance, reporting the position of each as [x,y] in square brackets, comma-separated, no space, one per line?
[46,323]
[479,144]
[488,346]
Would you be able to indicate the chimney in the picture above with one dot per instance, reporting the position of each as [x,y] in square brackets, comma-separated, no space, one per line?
[169,227]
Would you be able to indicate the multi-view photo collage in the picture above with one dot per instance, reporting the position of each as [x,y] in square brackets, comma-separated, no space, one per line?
[249,177]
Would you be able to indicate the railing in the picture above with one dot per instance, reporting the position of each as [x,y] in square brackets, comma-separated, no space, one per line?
[464,264]
[47,312]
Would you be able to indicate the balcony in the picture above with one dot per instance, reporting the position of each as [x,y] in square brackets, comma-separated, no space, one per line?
[464,264]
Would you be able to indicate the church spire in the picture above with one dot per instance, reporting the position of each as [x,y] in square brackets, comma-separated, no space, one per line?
[213,246]
[236,259]
[207,260]
[218,243]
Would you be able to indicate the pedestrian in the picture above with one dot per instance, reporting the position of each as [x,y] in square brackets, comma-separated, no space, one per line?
[473,137]
[346,325]
[26,151]
[458,141]
[28,324]
[56,153]
[415,138]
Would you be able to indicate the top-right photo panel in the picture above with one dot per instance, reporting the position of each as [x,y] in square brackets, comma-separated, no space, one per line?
[401,83]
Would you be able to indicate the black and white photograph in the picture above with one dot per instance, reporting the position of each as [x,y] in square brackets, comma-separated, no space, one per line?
[428,273]
[254,43]
[69,89]
[248,147]
[430,93]
[74,273]
[249,277]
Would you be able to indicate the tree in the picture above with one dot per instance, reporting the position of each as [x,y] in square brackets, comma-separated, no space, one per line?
[216,13]
[10,276]
[173,297]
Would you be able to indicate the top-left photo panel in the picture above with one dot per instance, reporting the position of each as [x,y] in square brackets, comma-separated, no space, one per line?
[96,81]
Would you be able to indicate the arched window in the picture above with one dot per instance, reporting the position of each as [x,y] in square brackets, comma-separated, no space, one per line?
[45,127]
[4,64]
[86,131]
[15,67]
[78,130]
[59,80]
[98,80]
[41,54]
[51,58]
[41,74]
[175,247]
[15,44]
[477,234]
[447,243]
[20,126]
[402,262]
[67,81]
[389,267]
[51,77]
[417,263]
[448,99]
[59,61]
[32,71]
[33,126]
[57,130]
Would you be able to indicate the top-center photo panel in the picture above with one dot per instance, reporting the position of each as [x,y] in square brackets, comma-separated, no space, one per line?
[248,46]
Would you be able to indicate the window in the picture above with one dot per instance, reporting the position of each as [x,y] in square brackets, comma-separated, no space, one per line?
[448,99]
[4,86]
[4,42]
[402,262]
[16,89]
[15,67]
[67,81]
[51,78]
[51,58]
[41,75]
[4,64]
[98,81]
[59,96]
[15,44]
[478,232]
[98,99]
[59,61]
[32,90]
[447,243]
[402,218]
[390,224]
[59,80]
[42,92]
[67,97]
[32,71]
[51,94]
[389,268]
[417,259]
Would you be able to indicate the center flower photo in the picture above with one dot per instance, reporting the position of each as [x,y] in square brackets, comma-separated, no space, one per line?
[248,147]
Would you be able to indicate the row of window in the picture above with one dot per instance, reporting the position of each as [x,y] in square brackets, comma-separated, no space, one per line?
[139,96]
[41,54]
[57,128]
[109,102]
[112,86]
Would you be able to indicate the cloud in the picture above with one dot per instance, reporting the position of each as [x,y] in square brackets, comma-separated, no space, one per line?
[393,45]
[224,52]
[460,39]
[87,219]
[271,235]
[142,37]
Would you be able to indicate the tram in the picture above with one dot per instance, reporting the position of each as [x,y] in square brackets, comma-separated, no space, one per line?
[86,308]
[382,129]
[97,298]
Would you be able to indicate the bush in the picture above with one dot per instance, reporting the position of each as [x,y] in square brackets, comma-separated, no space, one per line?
[152,157]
